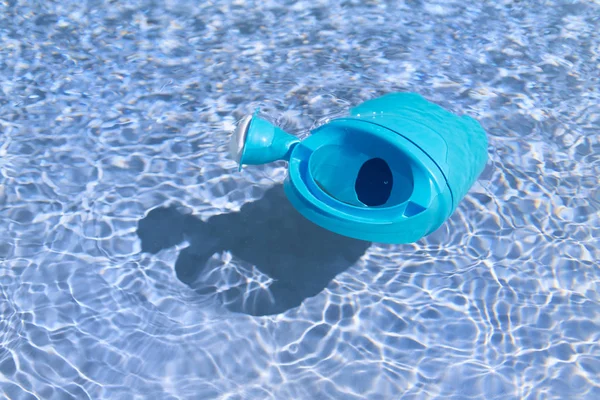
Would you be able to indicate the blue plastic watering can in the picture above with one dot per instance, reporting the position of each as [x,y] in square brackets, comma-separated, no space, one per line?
[392,171]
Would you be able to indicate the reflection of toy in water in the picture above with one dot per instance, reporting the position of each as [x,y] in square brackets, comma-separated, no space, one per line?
[393,171]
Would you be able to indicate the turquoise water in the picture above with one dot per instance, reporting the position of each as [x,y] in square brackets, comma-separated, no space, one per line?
[137,263]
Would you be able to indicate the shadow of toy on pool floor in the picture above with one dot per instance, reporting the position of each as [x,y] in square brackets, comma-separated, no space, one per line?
[301,257]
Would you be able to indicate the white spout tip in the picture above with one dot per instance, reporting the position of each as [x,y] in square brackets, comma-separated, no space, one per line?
[238,139]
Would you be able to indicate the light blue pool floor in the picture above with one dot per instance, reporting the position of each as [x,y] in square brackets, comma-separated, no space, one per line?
[137,263]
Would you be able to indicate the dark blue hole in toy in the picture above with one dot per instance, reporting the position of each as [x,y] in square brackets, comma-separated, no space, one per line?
[374,182]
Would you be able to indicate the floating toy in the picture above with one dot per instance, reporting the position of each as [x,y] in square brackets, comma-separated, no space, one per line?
[392,171]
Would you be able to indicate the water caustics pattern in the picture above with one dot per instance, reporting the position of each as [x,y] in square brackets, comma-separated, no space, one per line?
[137,263]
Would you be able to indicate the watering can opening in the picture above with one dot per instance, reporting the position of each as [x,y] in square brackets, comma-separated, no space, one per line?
[374,182]
[359,171]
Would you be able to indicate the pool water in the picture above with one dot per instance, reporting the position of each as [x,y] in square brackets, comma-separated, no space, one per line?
[136,262]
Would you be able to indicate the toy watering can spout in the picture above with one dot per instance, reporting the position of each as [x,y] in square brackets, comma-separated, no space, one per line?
[256,141]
